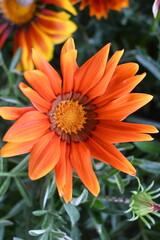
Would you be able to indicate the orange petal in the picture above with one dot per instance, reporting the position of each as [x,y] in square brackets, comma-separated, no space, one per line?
[30,126]
[46,68]
[123,71]
[108,73]
[14,149]
[39,103]
[60,169]
[123,106]
[68,64]
[109,154]
[90,73]
[122,82]
[56,23]
[26,61]
[41,84]
[44,156]
[66,4]
[67,190]
[114,135]
[123,87]
[125,126]
[81,161]
[13,113]
[41,41]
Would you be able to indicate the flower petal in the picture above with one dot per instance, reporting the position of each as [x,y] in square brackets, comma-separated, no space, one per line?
[13,113]
[129,103]
[60,169]
[46,68]
[41,41]
[90,73]
[56,23]
[108,73]
[20,41]
[5,35]
[81,161]
[17,148]
[109,154]
[44,155]
[68,64]
[67,190]
[39,103]
[30,126]
[41,84]
[114,133]
[66,4]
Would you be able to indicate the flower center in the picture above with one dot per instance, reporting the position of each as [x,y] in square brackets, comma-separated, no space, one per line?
[18,11]
[70,116]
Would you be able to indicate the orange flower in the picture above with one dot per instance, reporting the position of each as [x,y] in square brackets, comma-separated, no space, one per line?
[34,26]
[75,117]
[100,8]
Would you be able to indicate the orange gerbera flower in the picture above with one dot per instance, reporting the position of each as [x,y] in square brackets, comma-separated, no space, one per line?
[34,26]
[75,117]
[100,8]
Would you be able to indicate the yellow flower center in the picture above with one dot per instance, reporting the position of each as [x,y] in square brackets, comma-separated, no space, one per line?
[17,12]
[70,116]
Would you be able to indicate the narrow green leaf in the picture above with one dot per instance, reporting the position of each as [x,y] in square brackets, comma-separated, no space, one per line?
[148,147]
[37,232]
[4,187]
[39,212]
[148,63]
[81,199]
[1,233]
[58,234]
[147,166]
[16,238]
[23,165]
[72,213]
[23,191]
[16,209]
[120,183]
[98,204]
[4,222]
[15,59]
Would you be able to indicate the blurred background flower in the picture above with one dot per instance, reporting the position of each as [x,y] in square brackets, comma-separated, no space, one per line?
[33,26]
[100,8]
[156,8]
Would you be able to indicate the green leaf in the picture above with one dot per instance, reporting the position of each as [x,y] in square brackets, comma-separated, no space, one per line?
[4,187]
[16,238]
[40,212]
[37,232]
[4,222]
[16,209]
[148,166]
[72,213]
[58,234]
[125,146]
[23,191]
[81,199]
[119,182]
[148,147]
[1,233]
[98,204]
[15,59]
[102,232]
[148,63]
[23,165]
